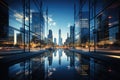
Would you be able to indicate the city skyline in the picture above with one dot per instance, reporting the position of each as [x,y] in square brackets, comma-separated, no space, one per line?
[60,17]
[55,21]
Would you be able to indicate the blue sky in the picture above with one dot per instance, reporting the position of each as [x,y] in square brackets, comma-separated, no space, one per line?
[61,16]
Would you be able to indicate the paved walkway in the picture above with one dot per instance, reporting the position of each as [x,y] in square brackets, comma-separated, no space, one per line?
[11,59]
[108,57]
[116,51]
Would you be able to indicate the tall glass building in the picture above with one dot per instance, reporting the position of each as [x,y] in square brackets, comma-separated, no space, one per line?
[50,36]
[72,33]
[17,29]
[102,21]
[60,39]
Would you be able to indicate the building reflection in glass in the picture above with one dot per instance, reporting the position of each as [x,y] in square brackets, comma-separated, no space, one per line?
[17,22]
[55,53]
[20,71]
[50,57]
[99,28]
[81,68]
[38,68]
[92,69]
[60,55]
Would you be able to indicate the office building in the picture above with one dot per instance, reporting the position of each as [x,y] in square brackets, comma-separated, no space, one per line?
[55,41]
[99,24]
[50,36]
[72,34]
[60,39]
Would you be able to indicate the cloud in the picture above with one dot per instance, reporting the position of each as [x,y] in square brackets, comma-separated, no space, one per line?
[19,17]
[68,25]
[50,19]
[51,22]
[54,24]
[19,20]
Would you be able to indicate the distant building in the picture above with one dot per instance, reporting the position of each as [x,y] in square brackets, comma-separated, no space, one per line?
[55,41]
[67,41]
[60,39]
[50,36]
[72,34]
[67,35]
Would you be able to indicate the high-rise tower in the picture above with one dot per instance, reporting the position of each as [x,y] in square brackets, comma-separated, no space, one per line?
[60,39]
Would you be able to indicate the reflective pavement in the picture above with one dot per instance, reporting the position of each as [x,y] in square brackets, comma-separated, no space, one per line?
[60,65]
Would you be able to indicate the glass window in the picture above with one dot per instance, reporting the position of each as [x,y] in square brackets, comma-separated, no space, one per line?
[92,35]
[107,28]
[16,20]
[84,27]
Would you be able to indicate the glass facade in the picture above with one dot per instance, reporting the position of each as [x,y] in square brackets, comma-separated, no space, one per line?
[97,25]
[17,21]
[107,26]
[102,25]
[82,38]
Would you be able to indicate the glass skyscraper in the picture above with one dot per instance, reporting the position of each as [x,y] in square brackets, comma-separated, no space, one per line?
[60,39]
[17,25]
[102,21]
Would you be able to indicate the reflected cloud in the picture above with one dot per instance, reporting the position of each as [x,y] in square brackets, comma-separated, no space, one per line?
[54,69]
[19,20]
[19,17]
[68,67]
[50,73]
[51,69]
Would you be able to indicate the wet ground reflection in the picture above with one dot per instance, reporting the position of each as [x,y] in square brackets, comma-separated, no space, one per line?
[60,65]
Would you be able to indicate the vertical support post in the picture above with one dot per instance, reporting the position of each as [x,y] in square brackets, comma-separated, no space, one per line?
[29,24]
[94,26]
[74,25]
[89,24]
[47,23]
[24,22]
[26,13]
[80,17]
[40,10]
